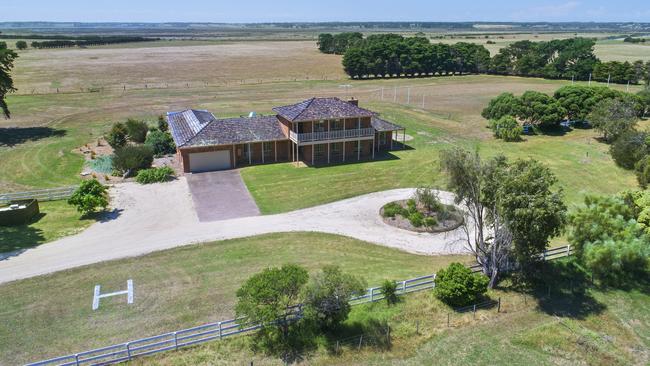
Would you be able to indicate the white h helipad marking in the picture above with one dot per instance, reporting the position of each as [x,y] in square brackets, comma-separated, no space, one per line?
[128,292]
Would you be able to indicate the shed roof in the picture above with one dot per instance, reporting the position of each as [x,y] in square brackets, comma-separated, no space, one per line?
[321,108]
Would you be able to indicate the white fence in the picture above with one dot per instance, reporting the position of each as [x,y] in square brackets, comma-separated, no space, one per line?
[213,331]
[51,194]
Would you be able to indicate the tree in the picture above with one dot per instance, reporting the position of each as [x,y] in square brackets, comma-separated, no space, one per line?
[388,288]
[456,285]
[160,142]
[117,136]
[162,124]
[506,104]
[7,58]
[613,117]
[506,128]
[533,209]
[129,159]
[511,208]
[21,45]
[90,196]
[326,297]
[576,100]
[642,169]
[540,109]
[268,297]
[136,130]
[644,95]
[629,148]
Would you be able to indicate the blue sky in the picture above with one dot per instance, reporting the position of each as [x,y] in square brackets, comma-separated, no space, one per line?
[326,10]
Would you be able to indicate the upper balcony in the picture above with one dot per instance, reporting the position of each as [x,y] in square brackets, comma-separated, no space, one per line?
[349,134]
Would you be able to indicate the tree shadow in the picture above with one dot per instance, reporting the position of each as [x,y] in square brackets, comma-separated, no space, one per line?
[11,136]
[105,216]
[372,333]
[15,239]
[562,289]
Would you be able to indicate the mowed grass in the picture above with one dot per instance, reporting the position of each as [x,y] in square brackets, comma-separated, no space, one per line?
[597,327]
[56,220]
[51,315]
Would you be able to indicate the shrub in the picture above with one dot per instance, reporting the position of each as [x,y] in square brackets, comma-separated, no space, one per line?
[506,104]
[458,286]
[392,209]
[161,143]
[506,128]
[416,219]
[90,196]
[617,262]
[389,290]
[428,198]
[117,136]
[21,45]
[411,206]
[430,222]
[136,130]
[128,160]
[162,124]
[154,175]
[642,168]
[326,297]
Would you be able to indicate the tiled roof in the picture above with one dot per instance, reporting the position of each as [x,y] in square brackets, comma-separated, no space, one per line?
[184,125]
[238,130]
[382,125]
[321,108]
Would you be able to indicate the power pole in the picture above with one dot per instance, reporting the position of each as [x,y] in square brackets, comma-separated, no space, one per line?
[609,76]
[408,95]
[589,79]
[395,95]
[423,101]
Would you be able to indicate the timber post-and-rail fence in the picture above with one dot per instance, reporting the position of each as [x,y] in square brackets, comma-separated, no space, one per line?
[51,194]
[213,331]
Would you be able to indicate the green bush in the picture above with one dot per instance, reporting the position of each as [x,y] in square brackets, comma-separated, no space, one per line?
[642,169]
[629,148]
[430,222]
[128,160]
[90,196]
[506,128]
[429,199]
[412,205]
[416,218]
[456,285]
[136,130]
[162,124]
[117,136]
[161,143]
[154,175]
[393,209]
[617,262]
[389,290]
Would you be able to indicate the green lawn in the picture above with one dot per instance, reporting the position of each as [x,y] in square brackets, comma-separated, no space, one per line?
[57,219]
[597,327]
[49,315]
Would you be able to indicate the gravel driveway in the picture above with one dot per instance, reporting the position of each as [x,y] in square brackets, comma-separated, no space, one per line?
[220,195]
[161,216]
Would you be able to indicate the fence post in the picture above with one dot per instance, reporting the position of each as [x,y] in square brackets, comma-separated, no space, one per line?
[499,305]
[76,359]
[448,316]
[128,350]
[360,341]
[474,311]
[337,346]
[372,293]
[403,287]
[175,341]
[219,330]
[568,250]
[544,255]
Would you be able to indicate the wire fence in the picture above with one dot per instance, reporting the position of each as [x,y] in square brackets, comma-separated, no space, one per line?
[219,330]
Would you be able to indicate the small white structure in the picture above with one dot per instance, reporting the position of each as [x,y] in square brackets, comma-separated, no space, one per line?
[128,292]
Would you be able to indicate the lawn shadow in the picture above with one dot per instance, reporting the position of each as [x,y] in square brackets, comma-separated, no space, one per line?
[563,290]
[11,136]
[372,333]
[15,239]
[105,216]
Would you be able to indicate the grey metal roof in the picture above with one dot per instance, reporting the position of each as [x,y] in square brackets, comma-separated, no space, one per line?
[321,108]
[239,130]
[382,125]
[184,125]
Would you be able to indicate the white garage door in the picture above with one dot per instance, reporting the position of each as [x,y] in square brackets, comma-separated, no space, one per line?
[209,161]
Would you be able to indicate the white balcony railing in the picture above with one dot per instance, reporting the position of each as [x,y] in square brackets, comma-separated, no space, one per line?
[331,135]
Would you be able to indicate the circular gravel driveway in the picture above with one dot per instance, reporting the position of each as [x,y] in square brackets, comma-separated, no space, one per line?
[161,216]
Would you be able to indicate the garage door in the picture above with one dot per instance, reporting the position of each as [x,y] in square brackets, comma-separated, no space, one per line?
[209,161]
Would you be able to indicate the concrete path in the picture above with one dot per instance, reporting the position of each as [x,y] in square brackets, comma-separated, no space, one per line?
[220,195]
[160,216]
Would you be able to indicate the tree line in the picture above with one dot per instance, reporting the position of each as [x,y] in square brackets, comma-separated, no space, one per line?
[7,57]
[392,55]
[89,41]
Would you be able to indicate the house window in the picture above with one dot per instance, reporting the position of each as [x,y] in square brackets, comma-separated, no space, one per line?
[320,126]
[319,149]
[335,149]
[336,125]
[268,146]
[382,138]
[357,147]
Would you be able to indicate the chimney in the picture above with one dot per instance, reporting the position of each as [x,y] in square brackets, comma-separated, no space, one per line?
[354,102]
